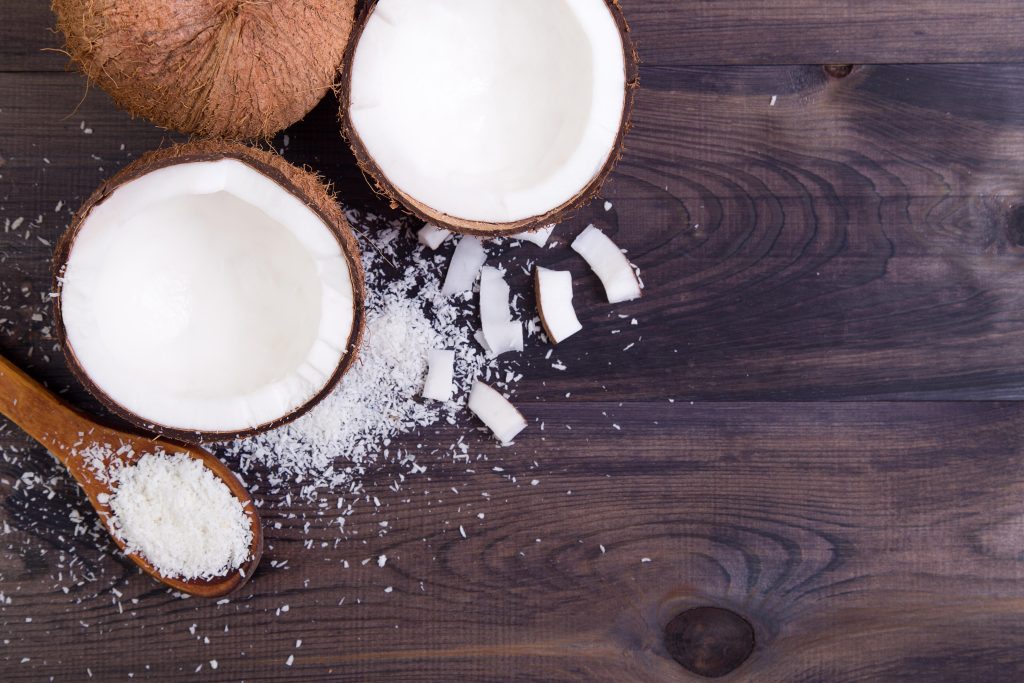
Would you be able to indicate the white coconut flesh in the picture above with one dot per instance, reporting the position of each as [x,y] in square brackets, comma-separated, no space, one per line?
[501,333]
[489,110]
[432,236]
[467,260]
[554,297]
[440,382]
[205,296]
[495,411]
[609,264]
[540,236]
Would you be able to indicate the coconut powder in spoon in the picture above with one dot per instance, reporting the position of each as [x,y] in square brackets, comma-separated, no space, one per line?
[174,512]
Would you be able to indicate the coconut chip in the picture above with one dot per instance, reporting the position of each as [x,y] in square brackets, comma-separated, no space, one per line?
[432,236]
[609,263]
[501,333]
[466,262]
[495,411]
[554,302]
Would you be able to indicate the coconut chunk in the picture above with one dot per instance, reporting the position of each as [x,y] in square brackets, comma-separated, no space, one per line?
[499,330]
[467,260]
[440,382]
[432,236]
[539,236]
[482,341]
[609,263]
[554,303]
[495,411]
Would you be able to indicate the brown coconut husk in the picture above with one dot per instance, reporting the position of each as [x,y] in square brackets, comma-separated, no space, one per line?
[236,69]
[398,199]
[301,183]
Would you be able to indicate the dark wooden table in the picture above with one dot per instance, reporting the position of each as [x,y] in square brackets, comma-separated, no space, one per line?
[835,266]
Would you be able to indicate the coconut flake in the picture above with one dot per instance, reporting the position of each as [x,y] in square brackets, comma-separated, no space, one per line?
[466,262]
[554,303]
[609,263]
[174,512]
[440,382]
[495,411]
[499,330]
[539,236]
[358,426]
[432,236]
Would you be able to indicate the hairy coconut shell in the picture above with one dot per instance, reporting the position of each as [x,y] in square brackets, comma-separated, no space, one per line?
[301,183]
[384,187]
[235,69]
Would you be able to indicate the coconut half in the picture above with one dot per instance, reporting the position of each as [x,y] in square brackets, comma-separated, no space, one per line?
[489,117]
[227,68]
[208,291]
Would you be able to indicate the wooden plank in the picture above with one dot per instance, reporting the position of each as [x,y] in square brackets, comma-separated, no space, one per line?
[864,542]
[670,32]
[825,31]
[28,40]
[860,239]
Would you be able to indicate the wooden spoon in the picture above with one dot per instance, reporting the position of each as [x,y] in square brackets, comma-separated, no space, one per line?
[63,430]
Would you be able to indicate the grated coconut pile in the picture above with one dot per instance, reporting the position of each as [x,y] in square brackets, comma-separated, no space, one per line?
[379,398]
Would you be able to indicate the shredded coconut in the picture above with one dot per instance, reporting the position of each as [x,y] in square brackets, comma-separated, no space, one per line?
[407,317]
[174,512]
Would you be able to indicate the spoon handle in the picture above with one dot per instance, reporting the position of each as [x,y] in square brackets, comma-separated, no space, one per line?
[46,418]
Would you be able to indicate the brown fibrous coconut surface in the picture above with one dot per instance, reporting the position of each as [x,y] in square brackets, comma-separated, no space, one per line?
[300,182]
[384,187]
[236,69]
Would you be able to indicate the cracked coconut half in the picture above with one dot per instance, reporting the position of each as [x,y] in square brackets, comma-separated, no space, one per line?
[209,290]
[489,117]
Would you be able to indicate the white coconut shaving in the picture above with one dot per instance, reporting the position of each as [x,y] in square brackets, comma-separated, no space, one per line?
[540,236]
[174,512]
[465,266]
[432,236]
[407,317]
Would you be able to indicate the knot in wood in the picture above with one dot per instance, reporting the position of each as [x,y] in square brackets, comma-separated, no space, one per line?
[838,70]
[709,641]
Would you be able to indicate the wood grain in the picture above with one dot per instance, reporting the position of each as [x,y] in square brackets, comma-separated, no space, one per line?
[678,32]
[823,241]
[834,271]
[830,527]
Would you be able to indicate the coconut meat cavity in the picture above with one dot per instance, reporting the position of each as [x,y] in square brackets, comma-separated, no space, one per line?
[206,296]
[522,102]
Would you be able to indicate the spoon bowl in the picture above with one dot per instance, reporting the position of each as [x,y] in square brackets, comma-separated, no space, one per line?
[67,434]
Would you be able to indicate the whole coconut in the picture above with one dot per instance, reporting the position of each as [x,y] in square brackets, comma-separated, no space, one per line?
[223,68]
